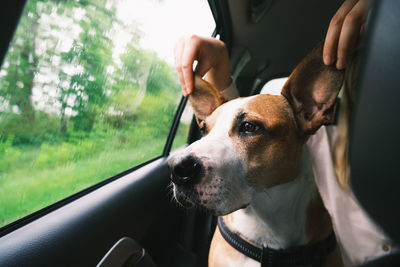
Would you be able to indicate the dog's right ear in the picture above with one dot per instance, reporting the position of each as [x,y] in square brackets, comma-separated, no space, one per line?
[204,99]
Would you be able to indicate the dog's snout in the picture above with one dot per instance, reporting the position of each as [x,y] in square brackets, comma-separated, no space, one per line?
[186,171]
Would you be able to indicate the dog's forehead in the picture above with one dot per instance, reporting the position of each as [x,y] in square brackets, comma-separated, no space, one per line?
[225,114]
[271,109]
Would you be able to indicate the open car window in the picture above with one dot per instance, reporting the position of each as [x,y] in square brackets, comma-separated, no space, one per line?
[87,90]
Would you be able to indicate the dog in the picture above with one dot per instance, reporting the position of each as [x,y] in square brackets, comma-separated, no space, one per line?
[252,169]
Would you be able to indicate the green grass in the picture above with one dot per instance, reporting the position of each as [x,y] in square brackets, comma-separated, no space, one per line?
[43,175]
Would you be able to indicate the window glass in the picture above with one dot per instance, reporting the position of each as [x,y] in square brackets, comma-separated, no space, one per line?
[87,90]
[181,137]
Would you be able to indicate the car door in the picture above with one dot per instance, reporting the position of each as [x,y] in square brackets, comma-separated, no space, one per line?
[89,113]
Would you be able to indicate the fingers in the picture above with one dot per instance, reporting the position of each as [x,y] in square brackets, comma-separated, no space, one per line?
[188,58]
[344,32]
[179,46]
[186,50]
[334,29]
[350,33]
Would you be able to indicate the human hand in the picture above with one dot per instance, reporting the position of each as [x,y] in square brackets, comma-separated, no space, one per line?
[212,59]
[344,32]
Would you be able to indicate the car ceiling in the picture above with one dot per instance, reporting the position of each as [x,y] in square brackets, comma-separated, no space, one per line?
[269,37]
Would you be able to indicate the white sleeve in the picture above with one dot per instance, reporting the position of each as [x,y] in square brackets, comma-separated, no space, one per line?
[230,92]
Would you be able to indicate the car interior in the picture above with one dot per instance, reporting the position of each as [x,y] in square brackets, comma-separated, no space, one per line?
[130,220]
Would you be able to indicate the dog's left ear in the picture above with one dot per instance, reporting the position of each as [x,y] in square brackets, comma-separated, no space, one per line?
[311,90]
[204,99]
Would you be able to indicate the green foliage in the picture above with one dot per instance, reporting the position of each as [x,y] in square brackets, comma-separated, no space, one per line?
[162,78]
[65,153]
[93,51]
[8,154]
[30,188]
[44,129]
[91,123]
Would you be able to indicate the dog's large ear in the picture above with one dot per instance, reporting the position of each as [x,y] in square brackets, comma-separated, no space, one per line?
[311,90]
[204,99]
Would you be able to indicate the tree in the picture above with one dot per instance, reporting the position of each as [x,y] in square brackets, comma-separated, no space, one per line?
[93,52]
[21,65]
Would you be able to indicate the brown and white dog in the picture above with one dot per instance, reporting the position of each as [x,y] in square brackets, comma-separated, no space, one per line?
[252,166]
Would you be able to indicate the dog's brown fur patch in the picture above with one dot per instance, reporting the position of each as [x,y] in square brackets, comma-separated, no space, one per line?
[276,151]
[220,247]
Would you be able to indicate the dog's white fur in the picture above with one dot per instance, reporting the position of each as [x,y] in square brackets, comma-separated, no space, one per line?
[277,222]
[273,221]
[217,152]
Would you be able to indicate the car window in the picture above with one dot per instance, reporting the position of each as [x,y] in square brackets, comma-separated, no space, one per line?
[184,127]
[87,90]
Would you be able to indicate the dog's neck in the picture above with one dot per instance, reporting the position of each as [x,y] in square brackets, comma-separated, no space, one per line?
[277,217]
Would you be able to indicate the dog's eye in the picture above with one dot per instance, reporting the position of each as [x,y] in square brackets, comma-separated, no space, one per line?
[248,127]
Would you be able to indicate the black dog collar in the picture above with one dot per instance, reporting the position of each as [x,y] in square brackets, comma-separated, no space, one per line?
[313,254]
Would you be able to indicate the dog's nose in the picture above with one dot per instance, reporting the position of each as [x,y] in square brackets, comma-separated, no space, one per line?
[185,171]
